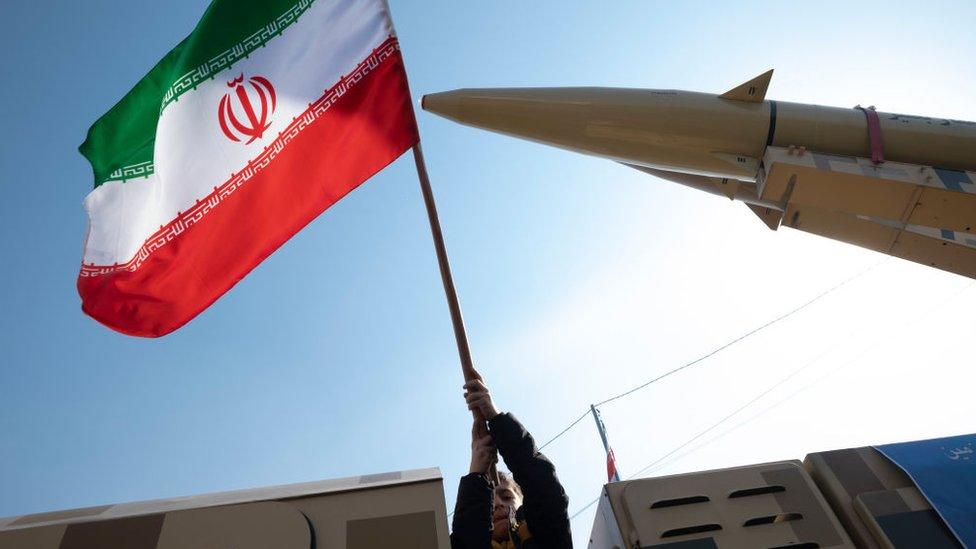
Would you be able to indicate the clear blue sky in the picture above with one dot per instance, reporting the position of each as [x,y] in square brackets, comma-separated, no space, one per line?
[578,277]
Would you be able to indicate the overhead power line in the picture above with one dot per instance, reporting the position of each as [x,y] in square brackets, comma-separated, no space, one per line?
[715,425]
[715,351]
[566,430]
[788,398]
[873,345]
[852,360]
[736,412]
[742,337]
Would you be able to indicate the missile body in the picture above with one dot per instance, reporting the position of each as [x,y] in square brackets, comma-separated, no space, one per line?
[897,184]
[698,133]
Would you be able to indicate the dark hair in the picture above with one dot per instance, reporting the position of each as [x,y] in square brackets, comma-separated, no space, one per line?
[507,477]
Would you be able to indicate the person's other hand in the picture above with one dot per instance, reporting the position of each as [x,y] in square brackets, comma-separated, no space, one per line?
[483,453]
[479,399]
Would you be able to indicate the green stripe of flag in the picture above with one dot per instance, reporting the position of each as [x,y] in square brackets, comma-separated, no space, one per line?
[120,144]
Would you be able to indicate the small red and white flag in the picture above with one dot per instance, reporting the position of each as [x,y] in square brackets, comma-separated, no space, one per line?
[612,474]
[268,113]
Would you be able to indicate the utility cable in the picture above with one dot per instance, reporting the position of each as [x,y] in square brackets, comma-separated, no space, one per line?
[717,350]
[740,338]
[735,412]
[852,360]
[704,357]
[566,430]
[706,431]
[847,363]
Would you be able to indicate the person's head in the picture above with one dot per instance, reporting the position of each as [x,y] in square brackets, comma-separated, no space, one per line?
[508,498]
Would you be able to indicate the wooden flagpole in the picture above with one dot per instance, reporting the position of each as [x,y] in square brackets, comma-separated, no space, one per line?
[460,335]
[467,366]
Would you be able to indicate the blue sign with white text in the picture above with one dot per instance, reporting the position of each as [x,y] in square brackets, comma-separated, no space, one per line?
[944,469]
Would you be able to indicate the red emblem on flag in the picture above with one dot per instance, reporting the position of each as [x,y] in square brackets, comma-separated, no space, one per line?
[256,121]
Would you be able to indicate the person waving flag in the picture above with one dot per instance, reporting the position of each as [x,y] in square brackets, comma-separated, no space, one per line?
[268,113]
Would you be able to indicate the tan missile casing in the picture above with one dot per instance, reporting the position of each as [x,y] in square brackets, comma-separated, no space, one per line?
[698,133]
[897,184]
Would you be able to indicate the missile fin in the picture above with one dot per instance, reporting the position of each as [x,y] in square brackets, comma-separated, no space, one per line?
[753,91]
[769,216]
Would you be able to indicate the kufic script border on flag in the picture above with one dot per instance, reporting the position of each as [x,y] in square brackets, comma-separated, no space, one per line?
[240,50]
[185,220]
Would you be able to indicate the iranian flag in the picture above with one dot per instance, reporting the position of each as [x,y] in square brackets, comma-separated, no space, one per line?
[268,113]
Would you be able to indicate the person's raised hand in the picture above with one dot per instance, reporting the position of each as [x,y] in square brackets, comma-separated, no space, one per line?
[483,453]
[479,399]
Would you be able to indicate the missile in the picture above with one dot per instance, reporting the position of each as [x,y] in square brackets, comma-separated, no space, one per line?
[898,184]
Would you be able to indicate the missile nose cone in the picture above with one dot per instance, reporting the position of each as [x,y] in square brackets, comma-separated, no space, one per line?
[446,104]
[549,115]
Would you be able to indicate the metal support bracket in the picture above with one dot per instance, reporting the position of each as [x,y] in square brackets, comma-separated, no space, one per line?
[874,134]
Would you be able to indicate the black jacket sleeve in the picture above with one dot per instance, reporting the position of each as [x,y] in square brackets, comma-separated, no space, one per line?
[472,513]
[545,503]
